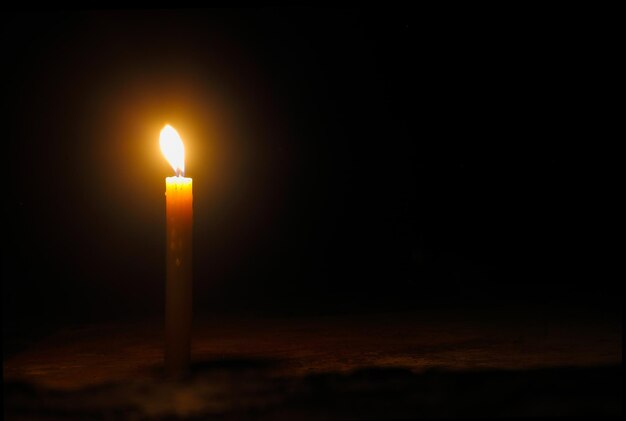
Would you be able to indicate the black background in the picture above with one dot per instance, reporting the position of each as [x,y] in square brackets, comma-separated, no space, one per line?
[343,160]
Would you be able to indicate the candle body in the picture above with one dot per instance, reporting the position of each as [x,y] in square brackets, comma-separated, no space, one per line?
[178,284]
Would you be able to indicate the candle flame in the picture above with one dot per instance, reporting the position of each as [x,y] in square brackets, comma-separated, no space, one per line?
[173,149]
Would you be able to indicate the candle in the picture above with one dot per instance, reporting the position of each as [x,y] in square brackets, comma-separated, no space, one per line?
[178,282]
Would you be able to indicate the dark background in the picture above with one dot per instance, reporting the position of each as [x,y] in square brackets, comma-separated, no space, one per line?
[343,160]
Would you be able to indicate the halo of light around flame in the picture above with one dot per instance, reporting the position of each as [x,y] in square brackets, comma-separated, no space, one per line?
[173,149]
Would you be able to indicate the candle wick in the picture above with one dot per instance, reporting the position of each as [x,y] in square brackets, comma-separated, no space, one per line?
[179,172]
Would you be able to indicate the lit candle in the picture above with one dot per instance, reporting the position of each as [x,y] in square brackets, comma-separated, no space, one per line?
[178,283]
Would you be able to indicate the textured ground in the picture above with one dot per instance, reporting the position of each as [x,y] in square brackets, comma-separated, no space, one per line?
[398,365]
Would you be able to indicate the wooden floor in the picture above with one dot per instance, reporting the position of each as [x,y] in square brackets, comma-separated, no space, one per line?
[78,358]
